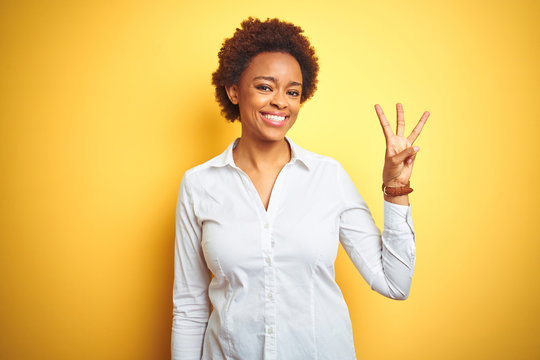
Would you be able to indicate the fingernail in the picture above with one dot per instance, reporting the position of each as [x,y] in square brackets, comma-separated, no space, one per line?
[416,148]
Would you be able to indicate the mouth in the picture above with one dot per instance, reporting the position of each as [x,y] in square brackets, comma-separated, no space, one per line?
[274,119]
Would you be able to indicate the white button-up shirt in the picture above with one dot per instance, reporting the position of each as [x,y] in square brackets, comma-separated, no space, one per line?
[273,291]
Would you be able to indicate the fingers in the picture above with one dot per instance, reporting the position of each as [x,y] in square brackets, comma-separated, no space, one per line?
[400,129]
[418,128]
[410,160]
[408,152]
[387,130]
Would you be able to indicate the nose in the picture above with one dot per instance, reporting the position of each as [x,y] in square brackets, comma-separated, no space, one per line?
[279,100]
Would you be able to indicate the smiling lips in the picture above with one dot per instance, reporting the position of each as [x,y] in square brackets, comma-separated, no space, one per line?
[274,119]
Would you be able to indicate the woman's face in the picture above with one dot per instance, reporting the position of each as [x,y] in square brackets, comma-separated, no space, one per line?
[268,96]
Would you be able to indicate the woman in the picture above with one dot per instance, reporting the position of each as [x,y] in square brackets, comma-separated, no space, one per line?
[265,218]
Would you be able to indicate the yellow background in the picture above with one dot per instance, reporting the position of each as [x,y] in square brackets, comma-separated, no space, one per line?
[105,104]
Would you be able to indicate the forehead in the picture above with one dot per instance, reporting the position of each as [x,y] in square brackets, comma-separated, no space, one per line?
[281,66]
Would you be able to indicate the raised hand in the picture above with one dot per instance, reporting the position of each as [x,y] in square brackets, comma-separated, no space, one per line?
[400,153]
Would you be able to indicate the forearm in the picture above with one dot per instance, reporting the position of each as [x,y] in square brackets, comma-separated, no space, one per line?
[386,261]
[187,338]
[398,251]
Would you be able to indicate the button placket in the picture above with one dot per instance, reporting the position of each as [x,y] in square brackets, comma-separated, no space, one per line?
[269,288]
[270,313]
[270,350]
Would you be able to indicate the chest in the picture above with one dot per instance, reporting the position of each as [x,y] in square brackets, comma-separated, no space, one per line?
[263,182]
[298,225]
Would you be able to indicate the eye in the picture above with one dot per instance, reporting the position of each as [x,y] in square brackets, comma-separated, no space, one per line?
[293,93]
[263,87]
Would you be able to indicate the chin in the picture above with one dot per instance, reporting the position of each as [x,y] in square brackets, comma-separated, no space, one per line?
[274,135]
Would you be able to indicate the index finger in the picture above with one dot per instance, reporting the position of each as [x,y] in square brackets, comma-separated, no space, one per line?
[387,129]
[418,128]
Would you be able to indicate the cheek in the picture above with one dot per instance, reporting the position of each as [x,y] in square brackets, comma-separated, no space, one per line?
[292,120]
[255,102]
[249,105]
[295,108]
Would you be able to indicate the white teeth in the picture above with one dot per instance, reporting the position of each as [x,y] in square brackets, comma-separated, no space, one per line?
[274,117]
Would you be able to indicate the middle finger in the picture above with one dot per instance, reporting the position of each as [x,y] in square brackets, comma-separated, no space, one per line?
[400,129]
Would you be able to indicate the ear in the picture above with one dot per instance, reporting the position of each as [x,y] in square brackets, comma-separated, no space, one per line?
[232,93]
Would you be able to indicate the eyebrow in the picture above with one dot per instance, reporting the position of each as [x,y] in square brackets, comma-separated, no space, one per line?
[271,78]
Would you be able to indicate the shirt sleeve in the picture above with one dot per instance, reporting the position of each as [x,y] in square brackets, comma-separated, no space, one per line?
[191,280]
[386,262]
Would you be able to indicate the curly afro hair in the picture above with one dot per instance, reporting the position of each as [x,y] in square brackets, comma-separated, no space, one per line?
[253,38]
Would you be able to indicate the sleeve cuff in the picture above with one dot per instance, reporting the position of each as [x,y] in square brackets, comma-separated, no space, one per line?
[396,216]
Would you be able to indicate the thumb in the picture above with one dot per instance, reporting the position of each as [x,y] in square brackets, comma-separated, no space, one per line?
[399,158]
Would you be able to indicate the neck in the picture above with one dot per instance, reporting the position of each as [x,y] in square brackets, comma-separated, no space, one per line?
[260,155]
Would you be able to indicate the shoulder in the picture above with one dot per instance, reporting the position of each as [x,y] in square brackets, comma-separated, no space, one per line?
[200,169]
[321,160]
[324,168]
[330,172]
[208,171]
[318,162]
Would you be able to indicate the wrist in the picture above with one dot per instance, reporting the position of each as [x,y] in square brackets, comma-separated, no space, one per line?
[394,183]
[393,191]
[399,200]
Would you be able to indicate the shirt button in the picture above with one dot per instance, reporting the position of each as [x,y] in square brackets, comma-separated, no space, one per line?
[270,331]
[270,296]
[267,226]
[268,260]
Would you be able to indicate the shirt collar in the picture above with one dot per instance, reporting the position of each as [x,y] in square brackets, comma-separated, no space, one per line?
[297,153]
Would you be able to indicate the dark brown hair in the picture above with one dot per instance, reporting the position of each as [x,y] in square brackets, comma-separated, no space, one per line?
[254,37]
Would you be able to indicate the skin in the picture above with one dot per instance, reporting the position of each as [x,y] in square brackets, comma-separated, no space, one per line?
[272,84]
[400,154]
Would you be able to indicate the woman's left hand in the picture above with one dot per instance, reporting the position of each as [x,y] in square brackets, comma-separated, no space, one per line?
[400,153]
